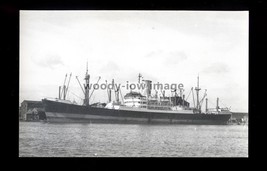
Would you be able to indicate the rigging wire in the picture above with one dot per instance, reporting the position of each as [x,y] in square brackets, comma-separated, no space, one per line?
[223,104]
[76,95]
[210,101]
[188,95]
[193,98]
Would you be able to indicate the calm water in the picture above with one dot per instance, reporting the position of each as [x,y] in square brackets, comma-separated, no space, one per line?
[115,140]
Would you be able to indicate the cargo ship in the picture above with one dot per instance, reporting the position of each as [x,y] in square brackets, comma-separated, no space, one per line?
[134,108]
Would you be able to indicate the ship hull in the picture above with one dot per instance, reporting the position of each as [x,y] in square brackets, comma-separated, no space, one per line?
[65,113]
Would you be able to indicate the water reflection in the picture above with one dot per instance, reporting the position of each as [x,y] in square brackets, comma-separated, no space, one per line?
[119,140]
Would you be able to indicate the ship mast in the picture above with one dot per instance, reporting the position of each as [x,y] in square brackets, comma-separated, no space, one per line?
[139,80]
[63,87]
[66,92]
[206,105]
[217,105]
[197,91]
[86,87]
[109,92]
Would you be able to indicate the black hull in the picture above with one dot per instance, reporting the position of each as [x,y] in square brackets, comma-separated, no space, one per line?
[62,112]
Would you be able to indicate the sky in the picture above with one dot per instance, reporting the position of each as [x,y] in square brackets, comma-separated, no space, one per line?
[164,46]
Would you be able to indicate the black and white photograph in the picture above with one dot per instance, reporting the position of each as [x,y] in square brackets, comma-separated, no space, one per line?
[133,83]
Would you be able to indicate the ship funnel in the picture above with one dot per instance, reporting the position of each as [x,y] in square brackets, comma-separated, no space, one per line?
[148,87]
